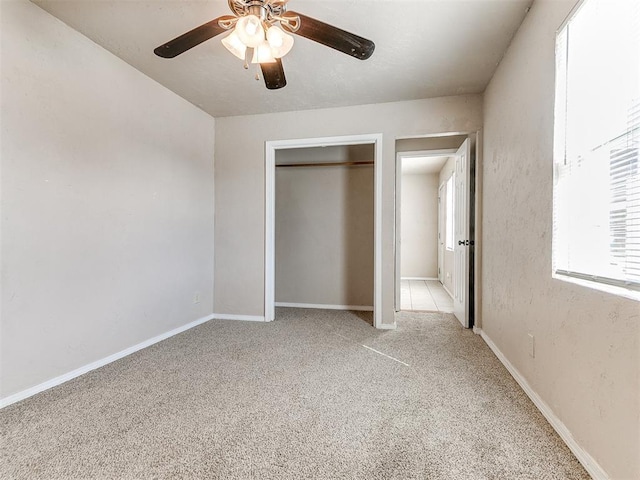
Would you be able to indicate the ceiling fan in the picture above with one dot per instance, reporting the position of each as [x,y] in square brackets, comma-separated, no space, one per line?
[260,27]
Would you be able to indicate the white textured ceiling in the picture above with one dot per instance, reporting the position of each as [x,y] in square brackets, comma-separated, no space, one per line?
[422,165]
[424,49]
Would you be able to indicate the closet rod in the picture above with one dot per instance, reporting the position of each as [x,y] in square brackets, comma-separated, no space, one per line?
[324,164]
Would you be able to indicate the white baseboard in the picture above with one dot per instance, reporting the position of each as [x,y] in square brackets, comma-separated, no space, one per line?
[447,290]
[16,397]
[244,318]
[587,461]
[360,308]
[477,331]
[418,278]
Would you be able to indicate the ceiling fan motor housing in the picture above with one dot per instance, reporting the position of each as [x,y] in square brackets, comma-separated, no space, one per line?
[265,10]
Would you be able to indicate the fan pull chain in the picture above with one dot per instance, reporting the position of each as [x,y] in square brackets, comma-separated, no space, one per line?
[246,59]
[257,77]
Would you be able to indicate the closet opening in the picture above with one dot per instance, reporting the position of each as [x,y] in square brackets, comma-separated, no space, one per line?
[322,245]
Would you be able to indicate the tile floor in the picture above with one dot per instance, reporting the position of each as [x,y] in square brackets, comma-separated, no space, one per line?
[424,295]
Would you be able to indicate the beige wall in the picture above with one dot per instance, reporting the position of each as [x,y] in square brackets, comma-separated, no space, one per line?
[106,203]
[240,180]
[587,364]
[447,264]
[419,225]
[324,234]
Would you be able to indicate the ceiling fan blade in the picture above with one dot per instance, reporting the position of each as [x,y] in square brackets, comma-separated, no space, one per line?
[333,37]
[194,37]
[273,74]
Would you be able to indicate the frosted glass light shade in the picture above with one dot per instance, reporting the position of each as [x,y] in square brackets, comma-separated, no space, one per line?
[280,41]
[249,30]
[233,43]
[262,54]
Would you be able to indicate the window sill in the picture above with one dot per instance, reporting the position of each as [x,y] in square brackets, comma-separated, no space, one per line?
[603,287]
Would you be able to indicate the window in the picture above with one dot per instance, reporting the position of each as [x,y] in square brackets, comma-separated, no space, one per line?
[596,234]
[449,234]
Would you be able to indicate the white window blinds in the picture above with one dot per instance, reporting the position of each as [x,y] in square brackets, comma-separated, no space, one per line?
[597,144]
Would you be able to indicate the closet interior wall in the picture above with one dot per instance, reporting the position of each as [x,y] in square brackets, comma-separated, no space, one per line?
[324,226]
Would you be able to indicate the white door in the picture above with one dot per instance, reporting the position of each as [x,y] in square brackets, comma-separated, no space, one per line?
[441,233]
[461,235]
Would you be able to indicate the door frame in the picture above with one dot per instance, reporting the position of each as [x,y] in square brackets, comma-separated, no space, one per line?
[441,231]
[400,156]
[475,227]
[270,191]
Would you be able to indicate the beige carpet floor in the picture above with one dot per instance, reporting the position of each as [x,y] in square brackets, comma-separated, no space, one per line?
[302,397]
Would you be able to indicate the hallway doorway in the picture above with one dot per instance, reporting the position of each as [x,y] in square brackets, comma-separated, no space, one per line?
[424,261]
[432,236]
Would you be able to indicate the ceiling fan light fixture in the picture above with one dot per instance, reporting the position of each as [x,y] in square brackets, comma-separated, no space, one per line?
[250,31]
[279,41]
[262,54]
[233,43]
[264,26]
